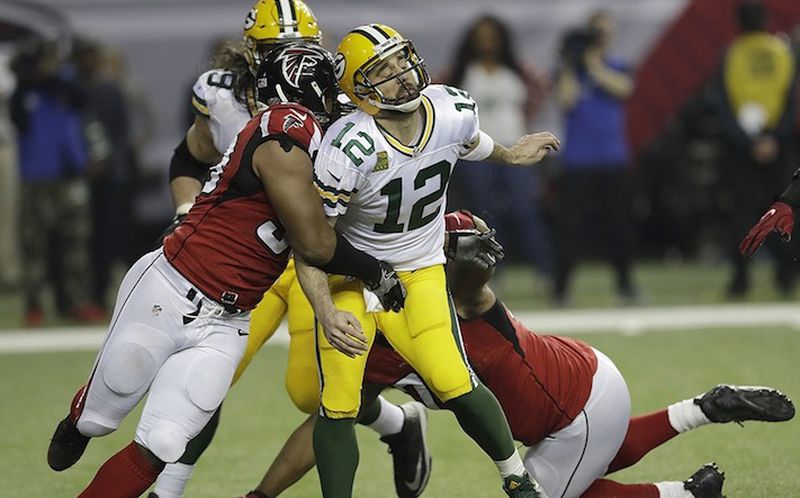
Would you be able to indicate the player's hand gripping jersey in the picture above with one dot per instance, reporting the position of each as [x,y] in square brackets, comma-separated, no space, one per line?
[399,190]
[233,257]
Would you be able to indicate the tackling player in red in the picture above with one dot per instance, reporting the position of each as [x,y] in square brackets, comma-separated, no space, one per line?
[181,320]
[224,101]
[563,399]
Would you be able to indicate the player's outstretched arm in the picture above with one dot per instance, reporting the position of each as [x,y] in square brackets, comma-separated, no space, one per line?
[780,218]
[529,149]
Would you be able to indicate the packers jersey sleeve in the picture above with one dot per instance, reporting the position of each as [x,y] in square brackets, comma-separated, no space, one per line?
[213,98]
[337,176]
[465,112]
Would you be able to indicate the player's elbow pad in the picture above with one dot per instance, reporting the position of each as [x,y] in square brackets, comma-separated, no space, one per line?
[482,151]
[184,164]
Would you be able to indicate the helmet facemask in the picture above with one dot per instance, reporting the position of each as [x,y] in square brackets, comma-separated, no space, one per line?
[368,80]
[326,106]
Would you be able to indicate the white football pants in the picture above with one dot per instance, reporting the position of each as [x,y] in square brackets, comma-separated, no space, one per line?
[567,462]
[165,337]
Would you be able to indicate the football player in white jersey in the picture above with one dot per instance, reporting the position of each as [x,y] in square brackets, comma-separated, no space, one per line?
[224,97]
[383,173]
[224,100]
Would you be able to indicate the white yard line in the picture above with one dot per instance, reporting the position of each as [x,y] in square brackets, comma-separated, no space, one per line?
[621,320]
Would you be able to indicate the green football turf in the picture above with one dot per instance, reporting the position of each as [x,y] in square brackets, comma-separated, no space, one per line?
[659,283]
[760,459]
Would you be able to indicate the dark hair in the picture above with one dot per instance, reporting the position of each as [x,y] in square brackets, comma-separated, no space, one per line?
[751,15]
[232,58]
[466,50]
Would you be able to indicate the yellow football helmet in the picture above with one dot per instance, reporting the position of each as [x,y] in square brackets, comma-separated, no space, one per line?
[270,22]
[364,49]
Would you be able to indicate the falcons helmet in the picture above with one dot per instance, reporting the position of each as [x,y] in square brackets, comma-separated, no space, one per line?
[302,73]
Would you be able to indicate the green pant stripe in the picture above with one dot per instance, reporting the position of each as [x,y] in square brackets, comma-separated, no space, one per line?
[319,367]
[456,331]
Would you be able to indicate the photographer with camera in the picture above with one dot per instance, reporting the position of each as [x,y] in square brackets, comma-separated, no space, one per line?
[594,186]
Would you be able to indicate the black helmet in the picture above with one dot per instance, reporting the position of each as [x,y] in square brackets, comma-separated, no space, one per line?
[302,73]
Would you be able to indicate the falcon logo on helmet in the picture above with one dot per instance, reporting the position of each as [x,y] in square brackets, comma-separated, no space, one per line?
[302,73]
[296,62]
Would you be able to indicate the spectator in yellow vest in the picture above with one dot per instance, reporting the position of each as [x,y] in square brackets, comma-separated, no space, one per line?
[756,103]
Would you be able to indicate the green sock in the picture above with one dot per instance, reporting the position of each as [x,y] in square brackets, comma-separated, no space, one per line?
[200,442]
[336,450]
[483,420]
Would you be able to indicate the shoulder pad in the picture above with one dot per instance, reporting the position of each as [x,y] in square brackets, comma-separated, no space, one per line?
[208,86]
[293,121]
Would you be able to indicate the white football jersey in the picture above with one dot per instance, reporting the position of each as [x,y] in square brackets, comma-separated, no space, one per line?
[212,97]
[389,198]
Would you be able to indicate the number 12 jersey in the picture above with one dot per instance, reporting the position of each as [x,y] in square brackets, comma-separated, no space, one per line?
[389,197]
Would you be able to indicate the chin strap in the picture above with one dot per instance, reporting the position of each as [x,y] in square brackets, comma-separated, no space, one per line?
[410,106]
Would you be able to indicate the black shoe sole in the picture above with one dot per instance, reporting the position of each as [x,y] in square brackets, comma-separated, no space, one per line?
[743,403]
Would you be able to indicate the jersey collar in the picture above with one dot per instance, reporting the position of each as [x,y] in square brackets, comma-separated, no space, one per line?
[424,137]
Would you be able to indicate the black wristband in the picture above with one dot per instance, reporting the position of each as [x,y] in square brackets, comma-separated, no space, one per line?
[347,260]
[183,163]
[791,195]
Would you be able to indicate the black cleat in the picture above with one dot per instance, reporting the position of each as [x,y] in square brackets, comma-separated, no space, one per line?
[522,487]
[412,461]
[727,403]
[66,446]
[706,482]
[152,495]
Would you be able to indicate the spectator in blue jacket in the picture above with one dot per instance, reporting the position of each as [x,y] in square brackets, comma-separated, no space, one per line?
[53,161]
[594,189]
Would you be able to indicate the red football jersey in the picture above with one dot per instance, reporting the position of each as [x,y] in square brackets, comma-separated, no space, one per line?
[542,382]
[231,245]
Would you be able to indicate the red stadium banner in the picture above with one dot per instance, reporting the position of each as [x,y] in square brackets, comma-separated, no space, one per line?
[686,58]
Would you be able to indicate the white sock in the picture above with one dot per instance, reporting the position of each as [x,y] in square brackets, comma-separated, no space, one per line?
[671,489]
[390,419]
[172,481]
[511,466]
[686,415]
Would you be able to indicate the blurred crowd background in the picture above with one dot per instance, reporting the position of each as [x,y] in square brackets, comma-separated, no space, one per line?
[678,120]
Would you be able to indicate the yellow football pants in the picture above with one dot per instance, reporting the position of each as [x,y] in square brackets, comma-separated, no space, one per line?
[425,333]
[286,295]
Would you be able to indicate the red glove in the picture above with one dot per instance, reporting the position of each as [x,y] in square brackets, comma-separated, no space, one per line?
[458,220]
[779,218]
